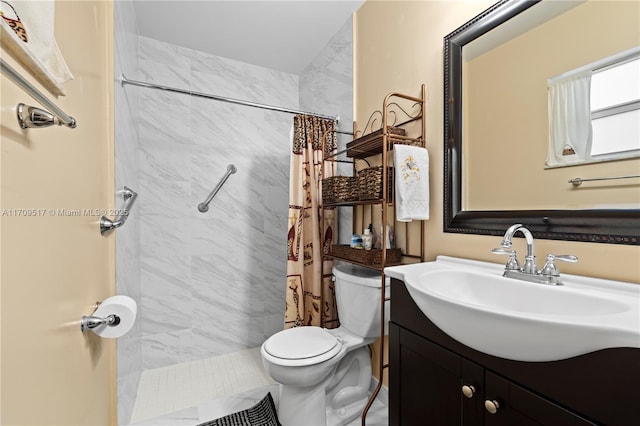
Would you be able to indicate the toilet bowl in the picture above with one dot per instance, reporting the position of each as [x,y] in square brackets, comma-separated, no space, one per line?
[324,374]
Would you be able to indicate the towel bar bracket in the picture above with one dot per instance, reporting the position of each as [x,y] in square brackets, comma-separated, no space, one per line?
[34,117]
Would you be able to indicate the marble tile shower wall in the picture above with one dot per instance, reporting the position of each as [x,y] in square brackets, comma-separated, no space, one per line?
[126,170]
[211,283]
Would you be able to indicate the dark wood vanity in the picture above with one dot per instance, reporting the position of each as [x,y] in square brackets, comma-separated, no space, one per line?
[436,380]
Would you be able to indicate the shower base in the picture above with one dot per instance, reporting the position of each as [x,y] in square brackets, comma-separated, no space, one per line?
[191,384]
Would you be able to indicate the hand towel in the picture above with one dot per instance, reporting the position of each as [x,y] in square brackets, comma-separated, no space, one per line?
[412,182]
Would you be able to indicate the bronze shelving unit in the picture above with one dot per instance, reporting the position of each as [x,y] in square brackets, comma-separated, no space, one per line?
[379,136]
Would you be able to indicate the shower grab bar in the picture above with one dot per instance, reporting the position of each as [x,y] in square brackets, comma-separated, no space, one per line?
[29,116]
[204,206]
[108,225]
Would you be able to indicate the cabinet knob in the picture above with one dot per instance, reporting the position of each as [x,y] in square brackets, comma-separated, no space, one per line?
[468,390]
[491,406]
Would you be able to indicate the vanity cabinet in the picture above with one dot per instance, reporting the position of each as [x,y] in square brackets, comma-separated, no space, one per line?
[435,380]
[439,387]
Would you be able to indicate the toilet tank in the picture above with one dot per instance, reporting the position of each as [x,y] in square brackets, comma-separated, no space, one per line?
[358,299]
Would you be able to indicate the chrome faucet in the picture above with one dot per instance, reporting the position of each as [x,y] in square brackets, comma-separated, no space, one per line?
[530,263]
[547,275]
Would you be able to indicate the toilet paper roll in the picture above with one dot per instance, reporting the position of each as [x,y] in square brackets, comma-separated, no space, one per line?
[122,306]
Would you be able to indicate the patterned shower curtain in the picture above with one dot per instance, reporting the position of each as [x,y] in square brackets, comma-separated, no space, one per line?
[310,295]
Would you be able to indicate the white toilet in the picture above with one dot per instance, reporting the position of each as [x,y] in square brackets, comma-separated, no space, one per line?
[324,374]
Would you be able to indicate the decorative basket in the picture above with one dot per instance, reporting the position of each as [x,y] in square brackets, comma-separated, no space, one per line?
[366,257]
[370,183]
[339,189]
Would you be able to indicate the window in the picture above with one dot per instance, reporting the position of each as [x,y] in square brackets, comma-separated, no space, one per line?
[615,109]
[594,112]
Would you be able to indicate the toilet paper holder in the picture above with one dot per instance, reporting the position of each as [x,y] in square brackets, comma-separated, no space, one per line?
[112,318]
[89,322]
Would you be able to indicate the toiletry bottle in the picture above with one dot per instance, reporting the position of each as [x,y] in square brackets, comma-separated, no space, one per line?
[354,240]
[367,239]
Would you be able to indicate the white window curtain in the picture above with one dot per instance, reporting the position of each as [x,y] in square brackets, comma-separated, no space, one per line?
[569,119]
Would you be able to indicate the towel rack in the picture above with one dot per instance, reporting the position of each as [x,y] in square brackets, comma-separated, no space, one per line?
[107,225]
[578,181]
[204,206]
[34,117]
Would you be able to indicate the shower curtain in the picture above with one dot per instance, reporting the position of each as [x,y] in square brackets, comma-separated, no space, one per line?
[310,295]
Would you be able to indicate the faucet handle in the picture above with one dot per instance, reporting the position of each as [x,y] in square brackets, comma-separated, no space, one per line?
[564,257]
[550,268]
[512,263]
[503,250]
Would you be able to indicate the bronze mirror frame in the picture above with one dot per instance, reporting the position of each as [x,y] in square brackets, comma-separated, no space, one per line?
[614,226]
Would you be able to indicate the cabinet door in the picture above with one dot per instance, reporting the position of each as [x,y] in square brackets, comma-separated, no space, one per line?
[516,406]
[426,384]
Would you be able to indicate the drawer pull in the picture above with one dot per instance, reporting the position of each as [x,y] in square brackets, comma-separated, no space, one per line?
[491,406]
[468,391]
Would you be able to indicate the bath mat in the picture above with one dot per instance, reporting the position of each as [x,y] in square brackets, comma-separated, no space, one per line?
[261,414]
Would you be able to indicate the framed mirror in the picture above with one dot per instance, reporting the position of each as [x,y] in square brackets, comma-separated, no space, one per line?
[517,186]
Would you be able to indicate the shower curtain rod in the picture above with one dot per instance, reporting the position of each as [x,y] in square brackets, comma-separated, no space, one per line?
[124,80]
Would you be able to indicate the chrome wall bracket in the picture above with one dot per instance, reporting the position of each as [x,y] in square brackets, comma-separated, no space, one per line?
[30,117]
[87,323]
[107,225]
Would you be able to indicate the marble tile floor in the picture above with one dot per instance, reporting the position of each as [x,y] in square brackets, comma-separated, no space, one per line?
[174,395]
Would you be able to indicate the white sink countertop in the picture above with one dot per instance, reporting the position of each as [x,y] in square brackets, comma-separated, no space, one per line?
[473,303]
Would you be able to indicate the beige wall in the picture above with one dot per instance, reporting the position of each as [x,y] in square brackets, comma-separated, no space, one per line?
[506,147]
[398,46]
[54,268]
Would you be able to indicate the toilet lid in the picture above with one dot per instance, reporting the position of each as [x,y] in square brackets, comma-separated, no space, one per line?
[300,343]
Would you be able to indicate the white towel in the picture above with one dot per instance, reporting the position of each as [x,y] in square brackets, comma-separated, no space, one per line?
[412,182]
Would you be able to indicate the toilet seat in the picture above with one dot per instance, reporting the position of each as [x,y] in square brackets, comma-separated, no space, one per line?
[301,346]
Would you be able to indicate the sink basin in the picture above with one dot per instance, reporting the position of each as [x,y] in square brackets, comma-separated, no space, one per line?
[473,303]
